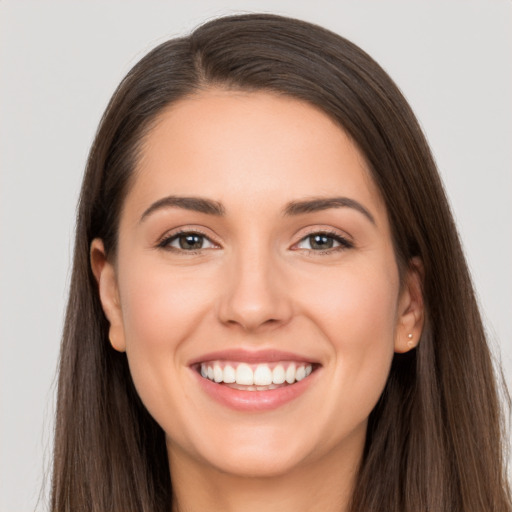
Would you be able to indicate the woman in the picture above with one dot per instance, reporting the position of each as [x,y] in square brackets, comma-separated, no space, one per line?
[269,305]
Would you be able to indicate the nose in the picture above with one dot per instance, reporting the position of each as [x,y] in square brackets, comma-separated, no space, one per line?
[255,296]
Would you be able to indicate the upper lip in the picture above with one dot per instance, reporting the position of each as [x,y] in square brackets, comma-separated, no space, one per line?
[250,356]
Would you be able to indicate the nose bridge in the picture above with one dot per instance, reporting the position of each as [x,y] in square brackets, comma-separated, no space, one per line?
[254,294]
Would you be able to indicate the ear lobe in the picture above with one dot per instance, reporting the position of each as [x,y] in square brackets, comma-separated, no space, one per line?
[105,275]
[411,311]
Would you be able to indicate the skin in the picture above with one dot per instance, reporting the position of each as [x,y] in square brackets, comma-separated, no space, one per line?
[257,284]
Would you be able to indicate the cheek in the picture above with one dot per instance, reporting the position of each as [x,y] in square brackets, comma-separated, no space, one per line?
[160,307]
[356,304]
[357,315]
[160,311]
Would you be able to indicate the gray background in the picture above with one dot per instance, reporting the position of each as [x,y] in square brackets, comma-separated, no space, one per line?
[59,64]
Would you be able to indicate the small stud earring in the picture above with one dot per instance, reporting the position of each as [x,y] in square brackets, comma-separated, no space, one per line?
[410,342]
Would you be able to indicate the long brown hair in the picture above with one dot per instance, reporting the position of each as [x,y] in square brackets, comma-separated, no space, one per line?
[435,439]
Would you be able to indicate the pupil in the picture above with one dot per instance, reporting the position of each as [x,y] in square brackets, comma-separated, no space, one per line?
[191,241]
[321,242]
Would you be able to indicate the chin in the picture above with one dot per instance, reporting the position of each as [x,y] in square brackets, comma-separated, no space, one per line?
[252,453]
[257,464]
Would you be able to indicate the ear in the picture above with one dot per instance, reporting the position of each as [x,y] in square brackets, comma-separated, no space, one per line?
[411,313]
[105,275]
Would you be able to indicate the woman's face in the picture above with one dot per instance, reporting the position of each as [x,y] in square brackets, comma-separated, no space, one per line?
[255,288]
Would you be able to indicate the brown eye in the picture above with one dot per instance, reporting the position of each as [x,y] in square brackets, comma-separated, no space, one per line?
[189,241]
[323,242]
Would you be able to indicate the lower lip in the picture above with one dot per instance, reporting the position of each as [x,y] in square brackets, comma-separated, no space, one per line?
[254,401]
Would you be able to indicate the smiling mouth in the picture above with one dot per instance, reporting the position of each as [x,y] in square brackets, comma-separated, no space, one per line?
[255,377]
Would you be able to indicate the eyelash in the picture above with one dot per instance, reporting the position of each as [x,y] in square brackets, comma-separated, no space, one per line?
[164,243]
[344,242]
[166,240]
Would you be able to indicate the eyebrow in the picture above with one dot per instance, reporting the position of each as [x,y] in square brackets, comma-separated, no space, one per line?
[210,207]
[197,204]
[325,203]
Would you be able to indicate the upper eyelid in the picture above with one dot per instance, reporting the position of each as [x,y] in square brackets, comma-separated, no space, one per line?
[174,233]
[332,232]
[345,242]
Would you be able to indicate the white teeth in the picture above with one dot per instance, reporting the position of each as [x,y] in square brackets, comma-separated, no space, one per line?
[301,373]
[229,374]
[290,374]
[262,375]
[217,373]
[278,375]
[261,378]
[244,375]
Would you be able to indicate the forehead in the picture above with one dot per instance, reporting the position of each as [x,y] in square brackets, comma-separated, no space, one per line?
[250,148]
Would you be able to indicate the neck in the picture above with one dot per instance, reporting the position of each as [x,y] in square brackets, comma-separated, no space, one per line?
[324,485]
